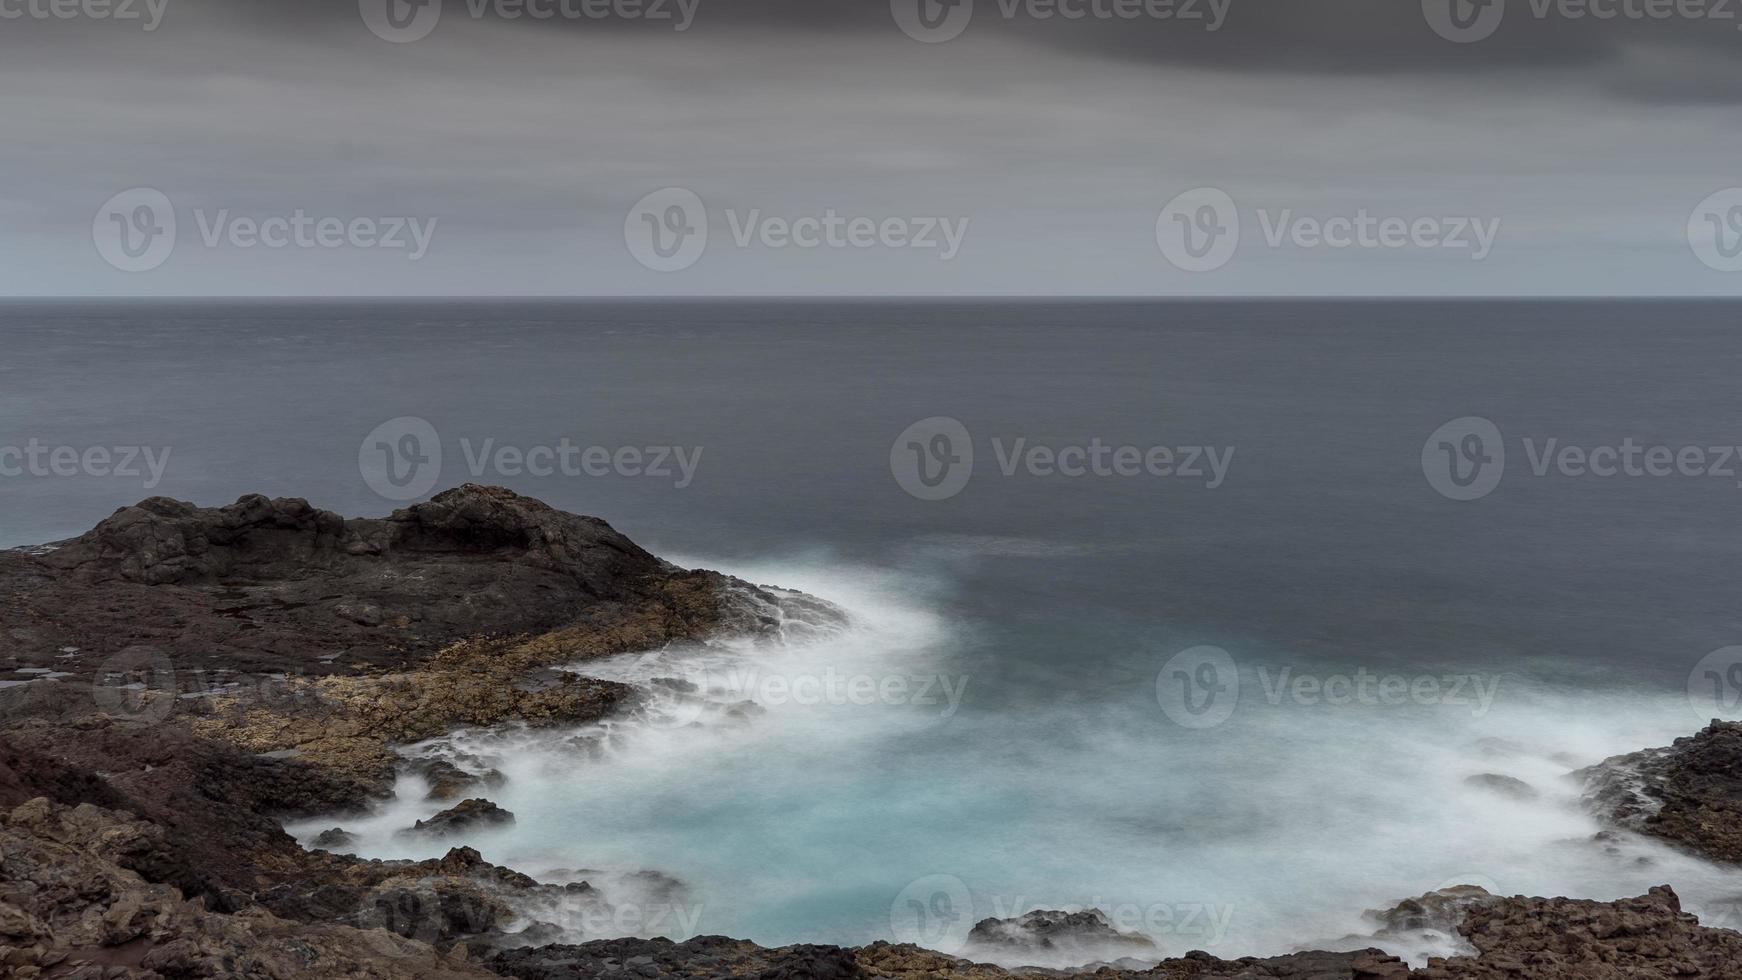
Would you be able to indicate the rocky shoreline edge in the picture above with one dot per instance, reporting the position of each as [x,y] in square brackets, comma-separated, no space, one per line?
[182,679]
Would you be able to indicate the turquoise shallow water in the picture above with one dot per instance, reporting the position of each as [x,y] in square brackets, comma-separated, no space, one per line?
[1059,776]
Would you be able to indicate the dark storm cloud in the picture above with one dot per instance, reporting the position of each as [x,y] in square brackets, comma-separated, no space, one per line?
[1681,54]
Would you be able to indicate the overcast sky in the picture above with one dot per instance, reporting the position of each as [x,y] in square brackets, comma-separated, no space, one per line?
[1511,149]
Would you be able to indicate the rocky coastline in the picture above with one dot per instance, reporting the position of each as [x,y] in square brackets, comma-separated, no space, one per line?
[177,682]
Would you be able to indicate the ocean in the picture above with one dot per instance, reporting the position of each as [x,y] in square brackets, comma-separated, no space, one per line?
[1210,632]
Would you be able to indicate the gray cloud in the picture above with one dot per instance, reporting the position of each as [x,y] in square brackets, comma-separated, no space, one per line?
[530,141]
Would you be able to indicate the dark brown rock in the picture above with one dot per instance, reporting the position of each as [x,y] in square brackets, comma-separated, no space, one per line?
[449,782]
[469,816]
[1689,792]
[338,840]
[267,586]
[1569,939]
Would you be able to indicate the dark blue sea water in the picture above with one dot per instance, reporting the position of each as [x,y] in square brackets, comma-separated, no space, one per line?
[1083,761]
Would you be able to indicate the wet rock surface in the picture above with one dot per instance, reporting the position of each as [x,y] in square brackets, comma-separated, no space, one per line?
[468,817]
[449,782]
[1087,931]
[1689,792]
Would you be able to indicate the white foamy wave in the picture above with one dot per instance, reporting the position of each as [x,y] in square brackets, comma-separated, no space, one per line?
[800,790]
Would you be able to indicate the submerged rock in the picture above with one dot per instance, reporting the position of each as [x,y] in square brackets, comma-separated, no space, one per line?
[1049,930]
[1507,786]
[336,840]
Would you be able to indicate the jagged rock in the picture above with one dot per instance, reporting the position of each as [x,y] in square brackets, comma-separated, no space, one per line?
[661,959]
[1442,910]
[1569,939]
[449,782]
[469,816]
[70,907]
[274,585]
[1689,792]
